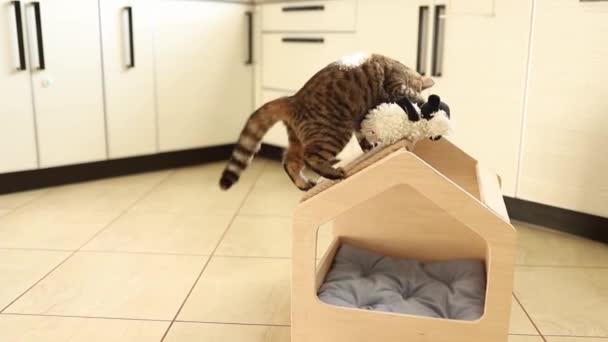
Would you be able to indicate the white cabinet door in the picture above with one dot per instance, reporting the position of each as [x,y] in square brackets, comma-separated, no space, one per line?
[17,129]
[565,150]
[392,28]
[205,88]
[483,76]
[127,29]
[68,93]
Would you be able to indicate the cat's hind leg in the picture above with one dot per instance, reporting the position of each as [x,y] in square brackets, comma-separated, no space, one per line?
[293,162]
[320,153]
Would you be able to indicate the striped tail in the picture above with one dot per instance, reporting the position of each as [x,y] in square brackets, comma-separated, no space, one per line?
[251,137]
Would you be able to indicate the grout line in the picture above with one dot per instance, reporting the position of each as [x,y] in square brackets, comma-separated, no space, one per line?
[127,209]
[37,282]
[144,195]
[26,203]
[233,323]
[36,249]
[223,323]
[143,253]
[251,257]
[529,317]
[581,337]
[266,216]
[147,320]
[87,317]
[563,266]
[236,213]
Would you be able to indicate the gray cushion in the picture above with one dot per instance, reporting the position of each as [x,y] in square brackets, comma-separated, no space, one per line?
[452,289]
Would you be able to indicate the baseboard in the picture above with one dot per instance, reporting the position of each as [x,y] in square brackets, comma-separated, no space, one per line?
[42,178]
[271,152]
[568,221]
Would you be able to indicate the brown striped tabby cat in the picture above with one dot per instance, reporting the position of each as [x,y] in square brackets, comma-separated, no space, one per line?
[322,117]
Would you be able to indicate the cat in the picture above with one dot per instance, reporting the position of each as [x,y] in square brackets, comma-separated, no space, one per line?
[323,115]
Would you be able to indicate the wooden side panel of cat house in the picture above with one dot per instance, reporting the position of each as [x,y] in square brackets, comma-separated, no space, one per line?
[435,203]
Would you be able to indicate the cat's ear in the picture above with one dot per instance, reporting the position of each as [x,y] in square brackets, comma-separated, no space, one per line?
[427,82]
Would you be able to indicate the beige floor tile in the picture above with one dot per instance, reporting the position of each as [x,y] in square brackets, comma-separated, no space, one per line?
[63,329]
[543,247]
[51,229]
[112,195]
[114,285]
[21,269]
[274,194]
[575,339]
[197,189]
[565,301]
[258,236]
[520,323]
[162,232]
[209,174]
[196,332]
[4,212]
[15,200]
[66,217]
[523,338]
[241,290]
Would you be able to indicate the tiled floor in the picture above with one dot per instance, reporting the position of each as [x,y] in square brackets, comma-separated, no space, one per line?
[168,256]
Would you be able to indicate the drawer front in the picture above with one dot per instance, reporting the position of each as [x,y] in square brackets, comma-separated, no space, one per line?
[289,60]
[310,16]
[277,135]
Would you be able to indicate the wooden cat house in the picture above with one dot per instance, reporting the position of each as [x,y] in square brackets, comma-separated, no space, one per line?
[434,203]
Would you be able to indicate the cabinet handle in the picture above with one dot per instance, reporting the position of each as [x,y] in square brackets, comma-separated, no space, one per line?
[438,40]
[39,40]
[249,60]
[129,16]
[304,40]
[423,19]
[20,41]
[303,8]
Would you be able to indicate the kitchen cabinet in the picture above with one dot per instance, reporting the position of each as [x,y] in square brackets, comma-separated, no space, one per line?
[564,161]
[127,31]
[479,65]
[66,73]
[395,28]
[17,125]
[204,79]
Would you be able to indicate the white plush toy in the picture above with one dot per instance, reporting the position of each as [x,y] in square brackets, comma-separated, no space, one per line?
[391,122]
